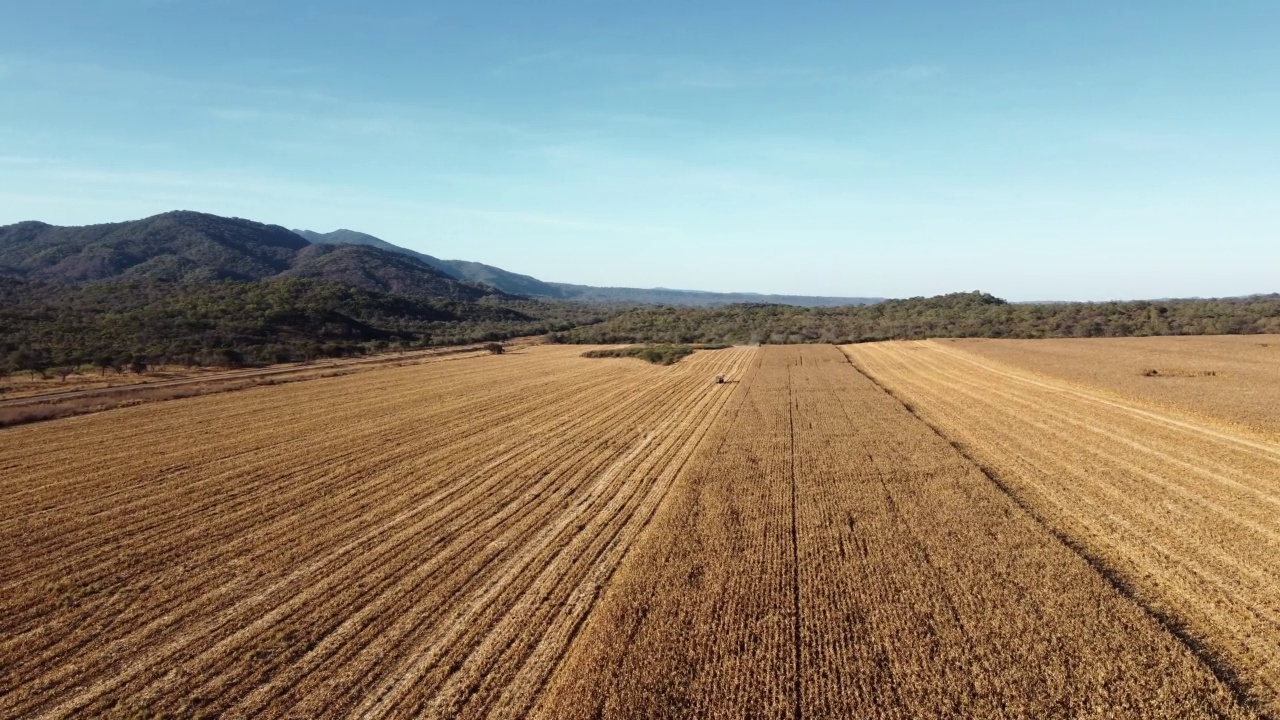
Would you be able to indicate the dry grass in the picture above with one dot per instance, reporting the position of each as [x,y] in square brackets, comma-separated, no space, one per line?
[830,556]
[1185,513]
[24,384]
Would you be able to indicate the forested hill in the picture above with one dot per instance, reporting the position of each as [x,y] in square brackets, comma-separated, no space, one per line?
[190,247]
[381,271]
[956,315]
[351,237]
[187,287]
[465,270]
[176,246]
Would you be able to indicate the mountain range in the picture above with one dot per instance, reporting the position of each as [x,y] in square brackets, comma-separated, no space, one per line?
[192,247]
[189,247]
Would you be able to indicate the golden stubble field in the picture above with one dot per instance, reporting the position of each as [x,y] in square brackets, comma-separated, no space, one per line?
[1171,484]
[542,535]
[1223,378]
[412,542]
[830,556]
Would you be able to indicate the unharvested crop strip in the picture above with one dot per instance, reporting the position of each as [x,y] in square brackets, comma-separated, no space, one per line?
[795,552]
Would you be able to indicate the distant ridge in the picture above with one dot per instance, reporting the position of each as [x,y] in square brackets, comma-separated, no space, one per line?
[465,270]
[700,298]
[518,284]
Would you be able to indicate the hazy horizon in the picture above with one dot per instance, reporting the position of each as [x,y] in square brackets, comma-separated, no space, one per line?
[1089,152]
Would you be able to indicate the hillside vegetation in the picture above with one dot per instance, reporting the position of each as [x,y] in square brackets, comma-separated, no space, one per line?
[465,270]
[656,354]
[192,288]
[191,247]
[956,315]
[45,325]
[380,271]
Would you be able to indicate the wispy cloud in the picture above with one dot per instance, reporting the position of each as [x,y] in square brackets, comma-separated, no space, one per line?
[1139,141]
[627,120]
[246,114]
[535,59]
[170,179]
[396,122]
[560,221]
[703,76]
[909,73]
[97,77]
[674,72]
[594,164]
[25,160]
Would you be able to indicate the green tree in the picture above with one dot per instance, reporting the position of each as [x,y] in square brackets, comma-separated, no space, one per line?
[105,362]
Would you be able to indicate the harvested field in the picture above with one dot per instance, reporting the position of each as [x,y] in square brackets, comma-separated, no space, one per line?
[42,400]
[543,535]
[413,542]
[831,556]
[1184,512]
[1230,378]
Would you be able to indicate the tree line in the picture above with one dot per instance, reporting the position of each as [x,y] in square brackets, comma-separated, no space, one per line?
[956,315]
[53,328]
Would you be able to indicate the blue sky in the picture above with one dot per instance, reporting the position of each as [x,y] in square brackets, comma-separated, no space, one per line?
[1073,150]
